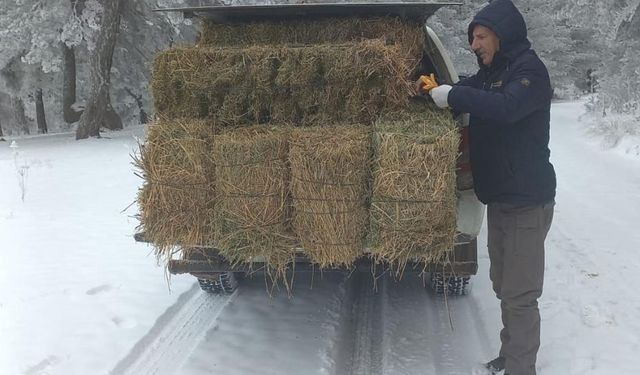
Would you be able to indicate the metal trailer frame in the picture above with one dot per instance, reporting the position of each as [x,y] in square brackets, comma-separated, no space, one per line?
[202,261]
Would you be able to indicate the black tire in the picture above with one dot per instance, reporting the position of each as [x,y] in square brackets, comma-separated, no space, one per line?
[452,285]
[223,283]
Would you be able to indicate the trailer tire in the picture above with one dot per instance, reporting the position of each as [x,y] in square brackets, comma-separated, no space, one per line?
[452,285]
[222,283]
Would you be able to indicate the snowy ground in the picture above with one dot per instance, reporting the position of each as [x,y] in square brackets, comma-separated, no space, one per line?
[79,296]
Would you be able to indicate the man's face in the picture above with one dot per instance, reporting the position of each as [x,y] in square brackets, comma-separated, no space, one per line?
[485,44]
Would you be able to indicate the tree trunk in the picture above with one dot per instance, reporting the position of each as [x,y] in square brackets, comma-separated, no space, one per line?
[17,111]
[69,73]
[112,120]
[69,114]
[1,135]
[144,118]
[101,59]
[40,115]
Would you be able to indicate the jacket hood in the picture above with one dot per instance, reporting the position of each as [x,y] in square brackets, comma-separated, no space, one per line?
[507,22]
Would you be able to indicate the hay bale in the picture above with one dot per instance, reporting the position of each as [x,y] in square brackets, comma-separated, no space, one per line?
[353,82]
[177,198]
[408,34]
[252,212]
[330,173]
[413,205]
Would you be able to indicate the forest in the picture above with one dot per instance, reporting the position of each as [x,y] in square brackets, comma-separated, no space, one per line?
[83,65]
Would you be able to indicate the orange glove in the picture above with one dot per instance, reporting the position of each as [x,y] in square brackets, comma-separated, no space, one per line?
[427,83]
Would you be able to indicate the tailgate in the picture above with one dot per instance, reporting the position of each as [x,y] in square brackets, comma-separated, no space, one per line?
[244,13]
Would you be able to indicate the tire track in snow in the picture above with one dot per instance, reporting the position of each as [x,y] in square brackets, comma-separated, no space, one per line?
[418,337]
[458,346]
[361,333]
[367,352]
[176,333]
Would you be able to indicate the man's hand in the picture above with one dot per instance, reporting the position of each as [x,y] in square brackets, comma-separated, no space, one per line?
[440,95]
[426,83]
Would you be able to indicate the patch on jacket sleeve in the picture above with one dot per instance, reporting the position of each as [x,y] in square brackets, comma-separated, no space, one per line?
[496,84]
[525,82]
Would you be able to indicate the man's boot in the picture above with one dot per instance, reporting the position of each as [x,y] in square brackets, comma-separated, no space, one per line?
[496,365]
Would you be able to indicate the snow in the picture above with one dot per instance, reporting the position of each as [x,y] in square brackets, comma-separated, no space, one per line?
[590,306]
[616,132]
[76,291]
[79,296]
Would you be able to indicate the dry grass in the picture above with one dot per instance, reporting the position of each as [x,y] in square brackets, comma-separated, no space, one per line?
[178,197]
[413,204]
[252,213]
[353,82]
[330,189]
[407,34]
[292,159]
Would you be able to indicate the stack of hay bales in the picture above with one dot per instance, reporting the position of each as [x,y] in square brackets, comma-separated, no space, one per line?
[305,138]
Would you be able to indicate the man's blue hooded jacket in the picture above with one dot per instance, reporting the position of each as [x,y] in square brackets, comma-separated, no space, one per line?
[509,104]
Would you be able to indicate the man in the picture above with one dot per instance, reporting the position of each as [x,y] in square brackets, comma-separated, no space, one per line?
[509,102]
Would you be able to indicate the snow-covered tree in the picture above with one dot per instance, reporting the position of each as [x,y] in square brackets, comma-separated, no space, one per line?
[548,28]
[46,47]
[450,23]
[98,111]
[31,32]
[47,44]
[120,64]
[143,34]
[621,75]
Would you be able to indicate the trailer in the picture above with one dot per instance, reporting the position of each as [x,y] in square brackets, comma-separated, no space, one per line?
[216,275]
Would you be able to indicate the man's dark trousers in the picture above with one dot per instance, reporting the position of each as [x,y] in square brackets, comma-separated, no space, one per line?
[516,249]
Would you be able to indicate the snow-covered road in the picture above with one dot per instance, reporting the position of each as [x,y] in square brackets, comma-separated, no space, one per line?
[590,306]
[337,325]
[78,296]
